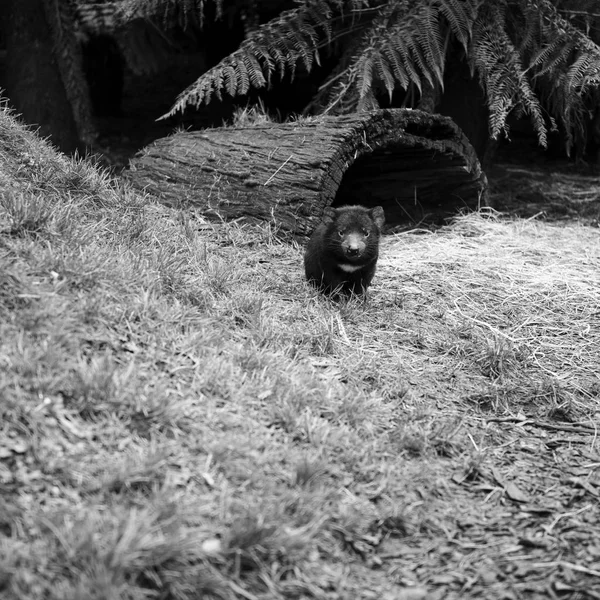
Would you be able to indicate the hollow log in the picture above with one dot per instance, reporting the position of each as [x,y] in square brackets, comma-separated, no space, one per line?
[419,166]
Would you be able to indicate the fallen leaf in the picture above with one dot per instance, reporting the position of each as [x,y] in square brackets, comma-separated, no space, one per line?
[514,493]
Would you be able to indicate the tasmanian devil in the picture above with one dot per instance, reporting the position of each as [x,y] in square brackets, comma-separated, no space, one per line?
[342,252]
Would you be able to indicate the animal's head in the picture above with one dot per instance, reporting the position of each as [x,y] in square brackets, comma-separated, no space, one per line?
[354,229]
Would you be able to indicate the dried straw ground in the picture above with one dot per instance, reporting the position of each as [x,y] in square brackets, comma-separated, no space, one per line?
[182,417]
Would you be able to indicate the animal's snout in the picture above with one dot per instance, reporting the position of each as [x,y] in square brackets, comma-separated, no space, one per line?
[354,245]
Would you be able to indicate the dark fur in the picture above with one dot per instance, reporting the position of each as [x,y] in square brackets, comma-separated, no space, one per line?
[348,237]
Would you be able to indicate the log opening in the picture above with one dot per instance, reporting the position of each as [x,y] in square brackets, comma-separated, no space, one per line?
[413,185]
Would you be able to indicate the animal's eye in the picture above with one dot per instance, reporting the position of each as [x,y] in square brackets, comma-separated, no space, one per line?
[341,233]
[366,232]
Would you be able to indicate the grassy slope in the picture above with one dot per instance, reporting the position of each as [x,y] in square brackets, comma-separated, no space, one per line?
[182,417]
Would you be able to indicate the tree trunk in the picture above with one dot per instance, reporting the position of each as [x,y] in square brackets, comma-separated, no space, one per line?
[34,84]
[60,16]
[418,166]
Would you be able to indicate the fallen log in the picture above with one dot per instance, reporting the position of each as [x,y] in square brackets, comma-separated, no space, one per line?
[419,166]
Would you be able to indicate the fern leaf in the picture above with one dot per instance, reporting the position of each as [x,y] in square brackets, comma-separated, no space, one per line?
[418,58]
[277,56]
[243,81]
[551,56]
[384,73]
[502,75]
[532,35]
[230,80]
[397,67]
[584,72]
[431,42]
[405,56]
[365,75]
[292,37]
[460,15]
[255,74]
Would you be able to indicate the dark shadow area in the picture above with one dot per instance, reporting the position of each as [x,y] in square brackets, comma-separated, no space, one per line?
[413,185]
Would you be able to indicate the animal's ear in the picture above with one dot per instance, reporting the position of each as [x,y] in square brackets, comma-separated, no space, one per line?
[329,215]
[378,216]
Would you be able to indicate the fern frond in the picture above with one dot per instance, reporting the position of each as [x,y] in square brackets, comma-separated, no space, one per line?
[365,85]
[404,55]
[255,74]
[549,58]
[460,15]
[402,45]
[394,59]
[185,13]
[227,78]
[583,70]
[384,73]
[417,55]
[431,42]
[405,39]
[531,30]
[577,48]
[502,75]
[565,67]
[281,44]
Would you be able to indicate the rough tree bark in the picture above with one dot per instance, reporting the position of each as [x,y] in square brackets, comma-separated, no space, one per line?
[415,164]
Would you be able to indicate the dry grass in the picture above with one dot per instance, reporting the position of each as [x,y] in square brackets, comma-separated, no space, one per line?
[570,193]
[183,417]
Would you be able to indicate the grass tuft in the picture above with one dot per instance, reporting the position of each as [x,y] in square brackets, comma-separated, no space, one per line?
[25,215]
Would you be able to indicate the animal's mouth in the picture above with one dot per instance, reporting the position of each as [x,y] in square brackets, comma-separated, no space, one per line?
[353,253]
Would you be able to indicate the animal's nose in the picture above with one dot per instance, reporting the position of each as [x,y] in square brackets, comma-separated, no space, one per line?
[352,251]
